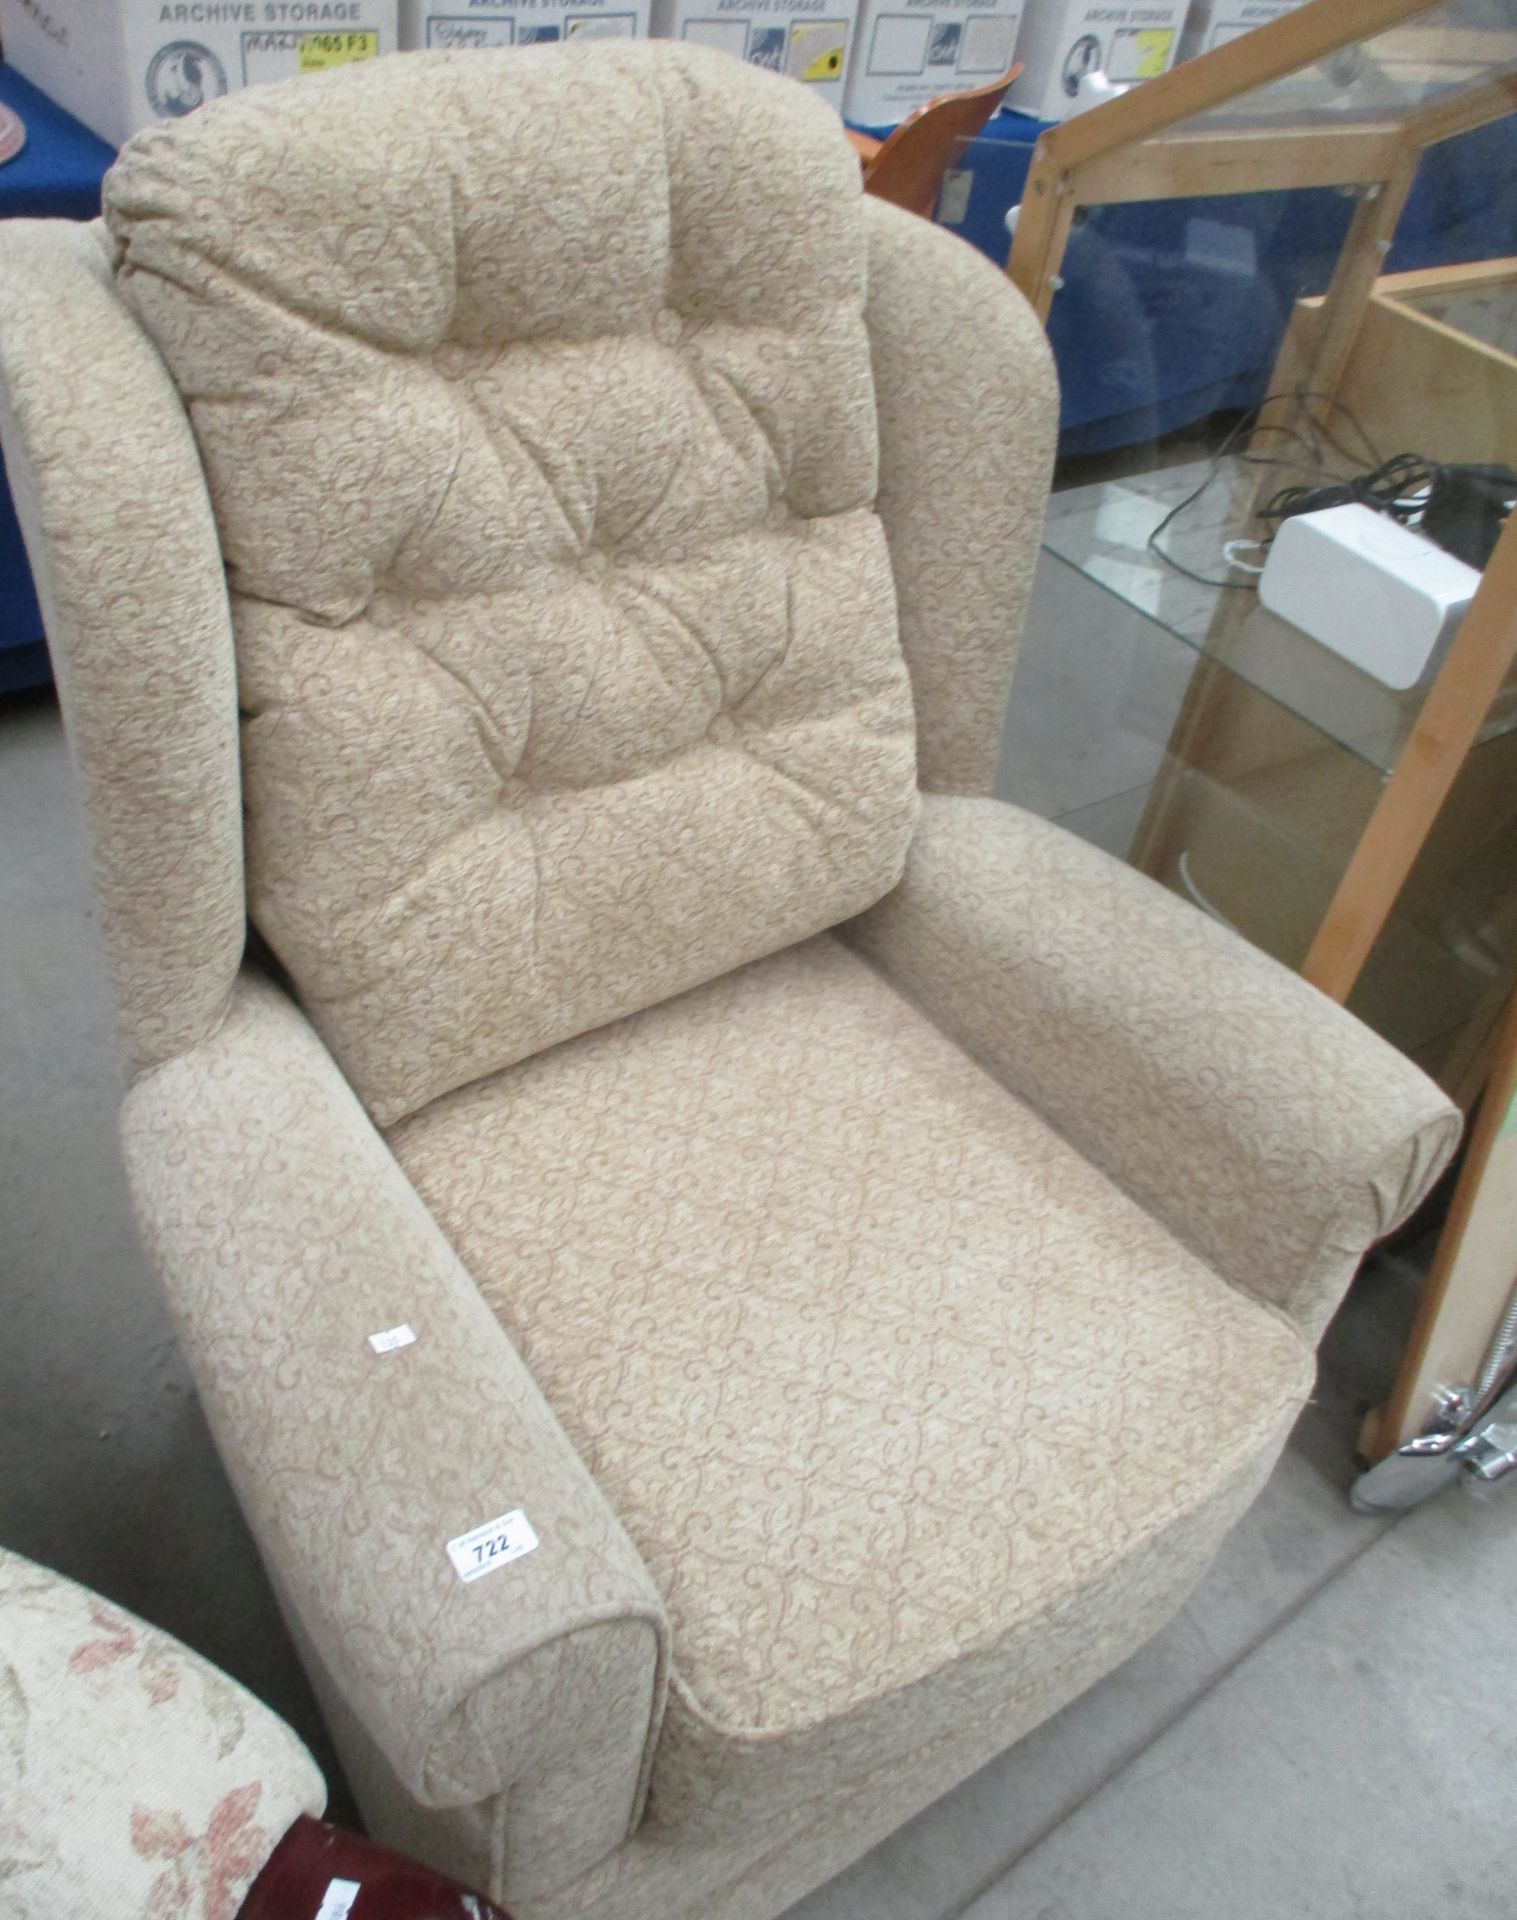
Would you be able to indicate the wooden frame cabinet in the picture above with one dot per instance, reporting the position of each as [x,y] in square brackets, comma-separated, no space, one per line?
[1332,95]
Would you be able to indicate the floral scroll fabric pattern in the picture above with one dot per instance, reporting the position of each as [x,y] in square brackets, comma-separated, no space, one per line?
[135,1778]
[813,1296]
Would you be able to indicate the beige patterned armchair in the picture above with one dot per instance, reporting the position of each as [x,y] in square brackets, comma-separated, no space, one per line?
[863,1248]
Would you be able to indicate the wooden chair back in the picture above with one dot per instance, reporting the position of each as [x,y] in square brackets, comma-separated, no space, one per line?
[908,168]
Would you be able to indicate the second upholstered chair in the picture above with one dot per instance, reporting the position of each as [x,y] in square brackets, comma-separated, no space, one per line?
[525,529]
[137,1779]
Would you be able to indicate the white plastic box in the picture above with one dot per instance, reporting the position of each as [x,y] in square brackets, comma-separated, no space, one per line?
[907,52]
[119,65]
[1063,40]
[807,39]
[1212,23]
[456,24]
[1382,596]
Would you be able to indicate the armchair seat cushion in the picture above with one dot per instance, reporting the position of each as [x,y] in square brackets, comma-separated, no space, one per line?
[911,1413]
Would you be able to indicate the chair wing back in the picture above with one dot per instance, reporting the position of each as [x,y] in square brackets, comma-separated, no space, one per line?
[109,491]
[968,417]
[534,396]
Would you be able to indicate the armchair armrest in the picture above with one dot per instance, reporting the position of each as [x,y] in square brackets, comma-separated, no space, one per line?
[1268,1129]
[285,1235]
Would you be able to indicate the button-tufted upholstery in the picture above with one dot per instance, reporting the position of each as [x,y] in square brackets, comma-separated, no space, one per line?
[565,627]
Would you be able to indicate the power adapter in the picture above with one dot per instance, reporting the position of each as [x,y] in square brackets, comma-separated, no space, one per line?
[1466,507]
[1385,598]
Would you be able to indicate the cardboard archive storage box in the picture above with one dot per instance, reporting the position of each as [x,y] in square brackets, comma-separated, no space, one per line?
[907,52]
[807,39]
[459,24]
[1063,40]
[1212,23]
[119,65]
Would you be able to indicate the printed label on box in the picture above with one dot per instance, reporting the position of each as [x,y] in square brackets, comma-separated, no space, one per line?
[1213,23]
[816,50]
[275,56]
[905,54]
[315,52]
[1140,53]
[119,65]
[455,32]
[1064,40]
[806,39]
[460,25]
[599,26]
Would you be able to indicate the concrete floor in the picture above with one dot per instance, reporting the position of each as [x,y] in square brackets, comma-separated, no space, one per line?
[1326,1730]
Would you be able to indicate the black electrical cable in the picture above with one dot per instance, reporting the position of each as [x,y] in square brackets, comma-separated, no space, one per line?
[1462,507]
[1398,486]
[1252,422]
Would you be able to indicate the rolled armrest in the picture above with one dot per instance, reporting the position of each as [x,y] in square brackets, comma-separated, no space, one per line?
[285,1235]
[1271,1131]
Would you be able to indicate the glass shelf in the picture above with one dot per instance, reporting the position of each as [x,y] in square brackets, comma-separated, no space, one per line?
[1253,814]
[1233,858]
[1103,530]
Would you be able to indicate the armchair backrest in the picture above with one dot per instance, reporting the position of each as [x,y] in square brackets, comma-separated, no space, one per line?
[554,479]
[534,397]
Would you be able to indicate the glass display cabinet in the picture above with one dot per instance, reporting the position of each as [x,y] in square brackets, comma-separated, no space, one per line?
[1340,824]
[1363,834]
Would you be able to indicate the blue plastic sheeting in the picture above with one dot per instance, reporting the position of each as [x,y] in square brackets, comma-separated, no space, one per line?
[1171,310]
[56,175]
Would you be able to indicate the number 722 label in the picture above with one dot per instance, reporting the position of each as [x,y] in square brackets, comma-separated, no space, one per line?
[496,1544]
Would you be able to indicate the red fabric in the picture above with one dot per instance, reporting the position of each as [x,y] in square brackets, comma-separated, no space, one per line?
[301,1869]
